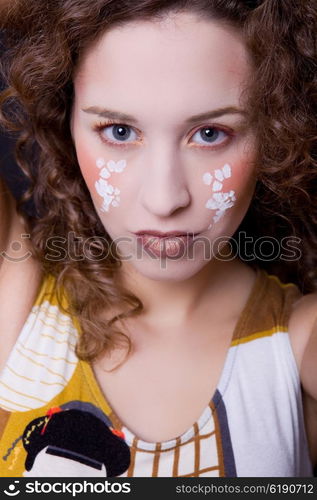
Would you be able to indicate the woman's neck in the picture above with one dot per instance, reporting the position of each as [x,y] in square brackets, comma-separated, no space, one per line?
[181,300]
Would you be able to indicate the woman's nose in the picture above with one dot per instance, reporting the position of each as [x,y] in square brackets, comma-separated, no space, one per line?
[164,187]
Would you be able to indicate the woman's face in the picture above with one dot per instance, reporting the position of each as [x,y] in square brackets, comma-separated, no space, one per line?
[162,141]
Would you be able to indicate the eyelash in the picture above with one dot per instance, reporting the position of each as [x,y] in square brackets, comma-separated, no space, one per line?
[102,126]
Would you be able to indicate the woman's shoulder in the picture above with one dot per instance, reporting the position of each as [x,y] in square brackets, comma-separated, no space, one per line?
[51,309]
[304,315]
[33,310]
[299,311]
[41,359]
[269,304]
[303,326]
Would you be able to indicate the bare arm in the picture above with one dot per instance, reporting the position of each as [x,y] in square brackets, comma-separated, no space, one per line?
[309,384]
[19,275]
[303,332]
[309,363]
[5,216]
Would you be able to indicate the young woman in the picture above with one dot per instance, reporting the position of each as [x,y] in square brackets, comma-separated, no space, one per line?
[174,146]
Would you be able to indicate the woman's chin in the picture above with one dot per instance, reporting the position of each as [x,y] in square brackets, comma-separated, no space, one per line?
[168,270]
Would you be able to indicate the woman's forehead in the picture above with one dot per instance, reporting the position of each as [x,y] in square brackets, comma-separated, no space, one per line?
[164,65]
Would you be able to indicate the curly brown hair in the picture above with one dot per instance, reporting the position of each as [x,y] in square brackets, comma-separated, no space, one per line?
[45,43]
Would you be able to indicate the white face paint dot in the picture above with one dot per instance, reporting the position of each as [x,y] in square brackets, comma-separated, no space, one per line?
[211,204]
[219,215]
[207,178]
[100,162]
[118,166]
[232,195]
[121,166]
[106,203]
[220,201]
[105,174]
[101,187]
[217,186]
[226,169]
[218,197]
[107,191]
[111,165]
[219,175]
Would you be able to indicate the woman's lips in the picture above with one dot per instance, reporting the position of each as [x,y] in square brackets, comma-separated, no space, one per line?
[165,246]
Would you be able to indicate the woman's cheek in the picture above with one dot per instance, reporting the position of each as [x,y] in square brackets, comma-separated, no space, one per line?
[106,185]
[230,185]
[244,180]
[87,165]
[102,175]
[221,198]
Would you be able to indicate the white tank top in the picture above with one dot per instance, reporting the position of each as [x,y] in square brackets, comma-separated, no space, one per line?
[55,421]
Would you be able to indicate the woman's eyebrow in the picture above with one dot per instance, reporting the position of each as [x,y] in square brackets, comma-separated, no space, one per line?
[216,113]
[117,115]
[108,113]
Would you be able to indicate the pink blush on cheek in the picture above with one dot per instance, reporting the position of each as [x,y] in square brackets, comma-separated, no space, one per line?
[237,186]
[91,174]
[100,175]
[89,171]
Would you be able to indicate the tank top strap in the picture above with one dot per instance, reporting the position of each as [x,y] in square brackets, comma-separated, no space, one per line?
[268,309]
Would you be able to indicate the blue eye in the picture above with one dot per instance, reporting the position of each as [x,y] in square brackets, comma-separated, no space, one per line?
[119,133]
[209,135]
